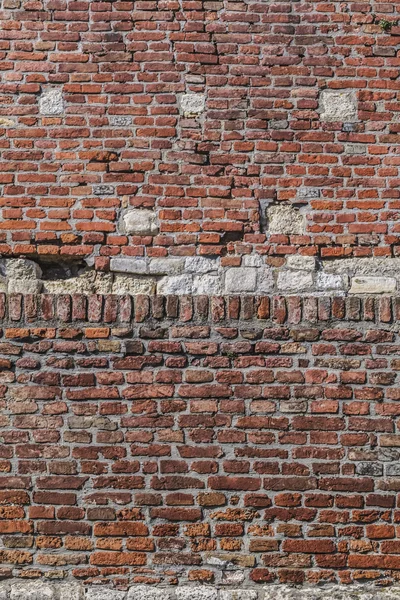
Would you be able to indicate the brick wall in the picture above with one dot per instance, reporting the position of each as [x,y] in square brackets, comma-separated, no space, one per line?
[226,441]
[141,135]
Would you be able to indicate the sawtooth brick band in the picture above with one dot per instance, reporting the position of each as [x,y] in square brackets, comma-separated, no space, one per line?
[221,443]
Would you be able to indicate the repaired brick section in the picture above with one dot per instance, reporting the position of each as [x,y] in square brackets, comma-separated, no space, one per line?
[201,113]
[209,441]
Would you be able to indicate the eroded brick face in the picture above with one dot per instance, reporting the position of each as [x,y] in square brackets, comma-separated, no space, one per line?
[204,112]
[223,440]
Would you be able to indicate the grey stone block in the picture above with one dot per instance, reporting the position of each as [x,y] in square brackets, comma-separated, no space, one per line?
[370,468]
[355,148]
[207,285]
[297,262]
[32,590]
[240,279]
[285,220]
[51,102]
[192,105]
[71,591]
[144,592]
[338,105]
[103,189]
[200,592]
[238,595]
[22,276]
[176,284]
[373,285]
[329,281]
[308,192]
[120,120]
[166,266]
[295,281]
[278,124]
[131,264]
[393,470]
[129,284]
[253,260]
[140,222]
[265,280]
[104,593]
[200,264]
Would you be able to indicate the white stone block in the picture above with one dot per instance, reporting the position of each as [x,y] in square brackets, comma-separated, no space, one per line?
[178,284]
[192,105]
[328,281]
[240,279]
[252,260]
[140,222]
[128,284]
[338,106]
[298,262]
[207,285]
[51,102]
[238,595]
[295,281]
[166,266]
[372,285]
[265,280]
[285,220]
[32,590]
[200,592]
[71,591]
[200,264]
[131,264]
[147,592]
[104,593]
[22,276]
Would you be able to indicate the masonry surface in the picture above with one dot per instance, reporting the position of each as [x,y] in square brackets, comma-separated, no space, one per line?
[193,441]
[196,146]
[199,300]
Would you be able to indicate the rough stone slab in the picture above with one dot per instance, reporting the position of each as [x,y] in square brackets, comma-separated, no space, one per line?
[192,105]
[208,285]
[22,275]
[179,284]
[308,192]
[6,122]
[166,266]
[284,219]
[51,102]
[240,279]
[252,260]
[104,594]
[145,592]
[120,120]
[355,148]
[128,284]
[363,266]
[200,264]
[238,595]
[103,189]
[71,591]
[329,281]
[338,106]
[300,263]
[373,285]
[295,281]
[32,590]
[200,592]
[140,222]
[265,280]
[134,265]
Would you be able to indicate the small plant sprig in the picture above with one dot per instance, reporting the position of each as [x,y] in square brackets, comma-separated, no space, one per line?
[386,25]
